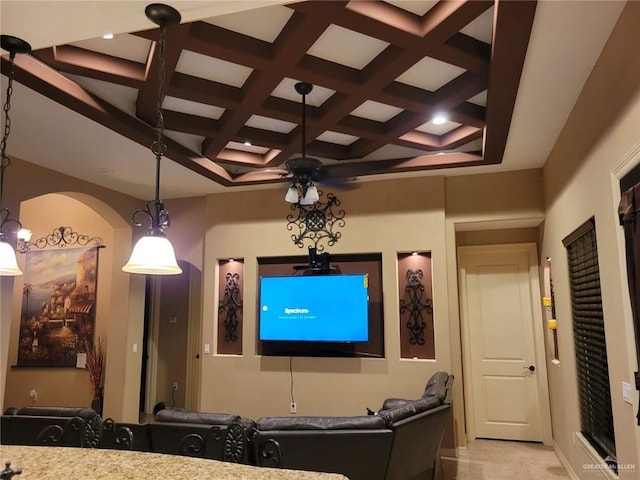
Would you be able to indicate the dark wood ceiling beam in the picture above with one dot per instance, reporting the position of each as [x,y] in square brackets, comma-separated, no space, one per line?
[468,114]
[217,42]
[98,66]
[426,162]
[401,28]
[448,96]
[442,23]
[292,44]
[213,41]
[514,21]
[146,104]
[446,19]
[460,136]
[420,140]
[191,124]
[199,90]
[241,158]
[43,80]
[458,91]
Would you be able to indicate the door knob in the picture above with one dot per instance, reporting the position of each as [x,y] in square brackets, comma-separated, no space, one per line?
[531,368]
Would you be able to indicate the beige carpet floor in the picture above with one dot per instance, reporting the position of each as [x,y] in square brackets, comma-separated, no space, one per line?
[504,460]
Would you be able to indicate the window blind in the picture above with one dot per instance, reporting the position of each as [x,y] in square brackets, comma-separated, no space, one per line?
[589,337]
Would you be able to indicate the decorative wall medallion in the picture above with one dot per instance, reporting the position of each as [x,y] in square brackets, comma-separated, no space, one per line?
[317,222]
[415,306]
[230,306]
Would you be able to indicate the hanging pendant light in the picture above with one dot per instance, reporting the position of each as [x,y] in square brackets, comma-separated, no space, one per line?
[154,254]
[8,262]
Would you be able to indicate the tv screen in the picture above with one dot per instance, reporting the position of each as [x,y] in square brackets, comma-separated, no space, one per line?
[314,308]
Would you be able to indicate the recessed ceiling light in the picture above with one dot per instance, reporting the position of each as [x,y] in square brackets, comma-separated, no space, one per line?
[232,260]
[439,119]
[414,253]
[247,143]
[105,171]
[108,36]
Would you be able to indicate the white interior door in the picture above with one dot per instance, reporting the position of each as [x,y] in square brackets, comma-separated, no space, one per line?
[501,372]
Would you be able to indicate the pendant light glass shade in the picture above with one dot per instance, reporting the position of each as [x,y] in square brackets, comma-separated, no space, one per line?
[153,254]
[8,262]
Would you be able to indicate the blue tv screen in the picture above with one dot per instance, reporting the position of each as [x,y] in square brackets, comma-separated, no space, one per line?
[314,308]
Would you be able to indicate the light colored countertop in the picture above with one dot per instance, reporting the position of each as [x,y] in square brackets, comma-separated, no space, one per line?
[58,463]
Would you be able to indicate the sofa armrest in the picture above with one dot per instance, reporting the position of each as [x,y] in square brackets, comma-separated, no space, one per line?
[409,409]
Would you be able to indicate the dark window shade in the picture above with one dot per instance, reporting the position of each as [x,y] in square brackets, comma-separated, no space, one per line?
[589,336]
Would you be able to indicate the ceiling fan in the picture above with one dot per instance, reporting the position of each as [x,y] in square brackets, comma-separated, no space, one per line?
[305,171]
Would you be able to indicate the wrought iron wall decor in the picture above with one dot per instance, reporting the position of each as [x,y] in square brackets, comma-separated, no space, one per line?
[415,306]
[60,237]
[230,306]
[317,222]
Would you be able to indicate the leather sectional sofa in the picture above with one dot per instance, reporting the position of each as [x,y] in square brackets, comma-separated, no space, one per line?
[399,442]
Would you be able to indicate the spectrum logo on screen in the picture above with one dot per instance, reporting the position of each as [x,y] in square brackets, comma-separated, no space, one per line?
[293,311]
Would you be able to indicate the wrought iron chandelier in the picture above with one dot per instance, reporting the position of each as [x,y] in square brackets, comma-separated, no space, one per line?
[8,262]
[154,254]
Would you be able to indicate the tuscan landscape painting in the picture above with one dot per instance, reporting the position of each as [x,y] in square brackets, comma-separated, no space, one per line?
[58,306]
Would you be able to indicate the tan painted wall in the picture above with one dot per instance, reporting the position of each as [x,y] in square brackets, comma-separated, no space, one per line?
[601,131]
[386,217]
[484,203]
[120,296]
[43,215]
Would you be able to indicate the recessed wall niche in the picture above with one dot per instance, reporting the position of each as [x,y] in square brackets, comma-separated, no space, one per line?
[230,305]
[368,263]
[415,291]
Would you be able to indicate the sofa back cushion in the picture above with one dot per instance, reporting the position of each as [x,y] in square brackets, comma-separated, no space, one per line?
[37,411]
[363,422]
[204,418]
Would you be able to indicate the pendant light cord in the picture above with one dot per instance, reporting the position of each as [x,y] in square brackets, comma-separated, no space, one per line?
[4,158]
[159,148]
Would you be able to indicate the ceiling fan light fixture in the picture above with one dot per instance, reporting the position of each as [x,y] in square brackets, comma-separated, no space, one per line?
[311,196]
[292,194]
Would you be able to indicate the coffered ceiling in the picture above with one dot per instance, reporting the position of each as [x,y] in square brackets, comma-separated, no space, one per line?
[382,71]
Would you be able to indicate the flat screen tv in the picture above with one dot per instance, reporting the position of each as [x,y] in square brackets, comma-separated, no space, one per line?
[314,308]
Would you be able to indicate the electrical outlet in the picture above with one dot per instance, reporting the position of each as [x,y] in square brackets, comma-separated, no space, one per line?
[33,395]
[294,408]
[175,385]
[626,393]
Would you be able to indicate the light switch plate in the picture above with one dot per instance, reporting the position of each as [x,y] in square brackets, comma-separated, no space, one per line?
[626,392]
[207,348]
